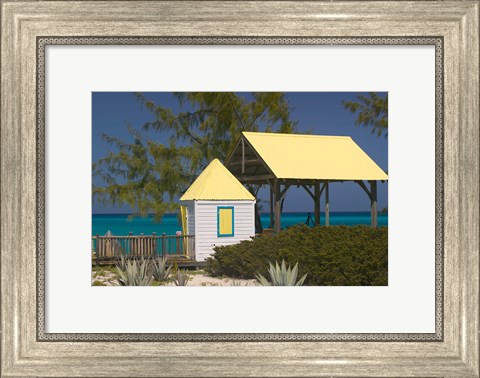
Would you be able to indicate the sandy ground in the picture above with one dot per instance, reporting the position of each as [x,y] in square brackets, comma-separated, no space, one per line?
[204,280]
[107,278]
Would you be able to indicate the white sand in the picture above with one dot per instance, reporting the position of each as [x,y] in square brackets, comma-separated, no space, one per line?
[107,278]
[196,279]
[204,280]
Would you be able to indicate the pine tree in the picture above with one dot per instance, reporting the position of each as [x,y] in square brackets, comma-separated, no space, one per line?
[149,176]
[372,112]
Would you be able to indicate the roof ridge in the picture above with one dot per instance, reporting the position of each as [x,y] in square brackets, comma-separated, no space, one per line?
[205,187]
[342,157]
[207,174]
[262,133]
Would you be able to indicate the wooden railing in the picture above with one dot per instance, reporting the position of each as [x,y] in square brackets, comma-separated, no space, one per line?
[111,247]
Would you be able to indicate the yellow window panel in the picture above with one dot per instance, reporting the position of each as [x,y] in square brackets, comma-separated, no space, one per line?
[225,221]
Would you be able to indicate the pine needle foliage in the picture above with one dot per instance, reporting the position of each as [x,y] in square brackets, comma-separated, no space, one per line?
[372,111]
[149,175]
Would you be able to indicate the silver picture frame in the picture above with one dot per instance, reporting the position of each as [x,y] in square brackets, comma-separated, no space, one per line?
[28,27]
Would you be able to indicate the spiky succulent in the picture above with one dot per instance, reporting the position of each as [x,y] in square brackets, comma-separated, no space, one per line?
[122,262]
[160,270]
[281,275]
[181,278]
[135,274]
[241,283]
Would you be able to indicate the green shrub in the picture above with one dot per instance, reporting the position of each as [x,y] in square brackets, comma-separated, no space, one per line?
[332,256]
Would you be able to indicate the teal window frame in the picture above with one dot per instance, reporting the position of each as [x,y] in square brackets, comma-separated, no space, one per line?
[218,221]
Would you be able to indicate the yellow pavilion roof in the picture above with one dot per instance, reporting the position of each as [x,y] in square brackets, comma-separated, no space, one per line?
[216,183]
[317,157]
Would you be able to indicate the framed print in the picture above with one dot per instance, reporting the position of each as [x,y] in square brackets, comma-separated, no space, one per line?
[157,154]
[373,280]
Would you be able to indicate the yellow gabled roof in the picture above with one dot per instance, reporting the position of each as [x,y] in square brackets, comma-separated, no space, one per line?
[216,183]
[320,157]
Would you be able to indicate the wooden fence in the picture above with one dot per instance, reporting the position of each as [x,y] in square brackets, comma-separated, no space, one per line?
[111,247]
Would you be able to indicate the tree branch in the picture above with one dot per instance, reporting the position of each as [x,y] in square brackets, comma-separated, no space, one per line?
[236,112]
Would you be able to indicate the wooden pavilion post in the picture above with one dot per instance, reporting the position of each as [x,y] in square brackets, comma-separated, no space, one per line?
[271,205]
[243,156]
[327,205]
[278,201]
[372,194]
[316,200]
[373,203]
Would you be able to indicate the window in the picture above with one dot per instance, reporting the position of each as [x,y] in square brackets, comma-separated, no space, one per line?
[225,221]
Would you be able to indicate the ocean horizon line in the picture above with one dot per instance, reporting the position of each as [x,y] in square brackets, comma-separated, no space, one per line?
[119,224]
[262,212]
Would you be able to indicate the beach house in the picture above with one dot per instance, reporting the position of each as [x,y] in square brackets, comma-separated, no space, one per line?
[219,210]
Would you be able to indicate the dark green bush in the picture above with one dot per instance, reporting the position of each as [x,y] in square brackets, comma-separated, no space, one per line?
[332,256]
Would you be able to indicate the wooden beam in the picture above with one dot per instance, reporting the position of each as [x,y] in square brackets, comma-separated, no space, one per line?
[308,191]
[271,206]
[257,168]
[364,187]
[322,189]
[316,202]
[232,152]
[284,191]
[308,182]
[251,178]
[327,205]
[278,200]
[244,149]
[373,204]
[246,161]
[243,156]
[255,153]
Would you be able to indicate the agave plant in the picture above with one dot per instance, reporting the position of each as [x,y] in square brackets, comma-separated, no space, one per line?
[181,278]
[122,262]
[238,283]
[134,274]
[281,275]
[160,270]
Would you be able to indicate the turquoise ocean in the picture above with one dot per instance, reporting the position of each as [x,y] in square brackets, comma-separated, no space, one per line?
[120,225]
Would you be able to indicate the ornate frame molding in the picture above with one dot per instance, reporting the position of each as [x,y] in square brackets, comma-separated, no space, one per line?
[43,42]
[26,25]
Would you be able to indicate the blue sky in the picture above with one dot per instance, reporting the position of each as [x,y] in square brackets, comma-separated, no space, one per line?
[316,112]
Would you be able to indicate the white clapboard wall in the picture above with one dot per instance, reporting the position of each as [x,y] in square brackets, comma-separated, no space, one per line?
[202,222]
